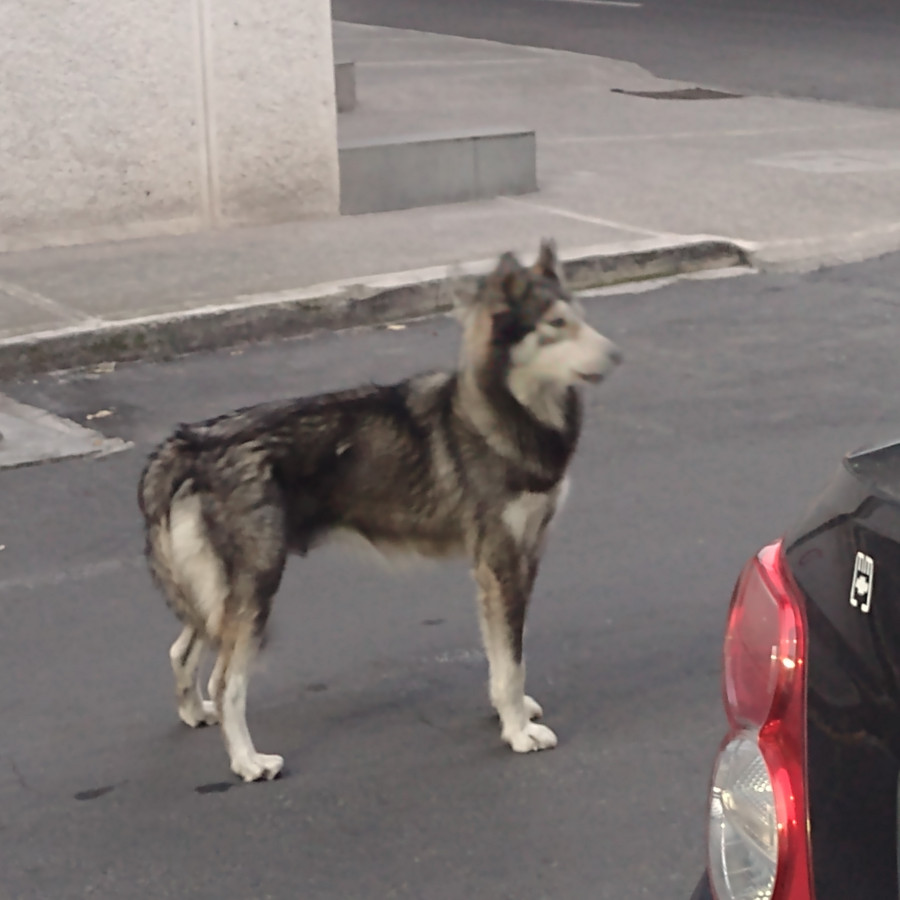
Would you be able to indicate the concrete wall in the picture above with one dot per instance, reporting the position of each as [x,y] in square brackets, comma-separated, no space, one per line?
[129,118]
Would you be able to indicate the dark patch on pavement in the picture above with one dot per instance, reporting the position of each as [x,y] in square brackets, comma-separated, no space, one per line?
[94,793]
[217,787]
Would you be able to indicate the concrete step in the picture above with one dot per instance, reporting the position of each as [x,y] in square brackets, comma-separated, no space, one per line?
[345,85]
[382,174]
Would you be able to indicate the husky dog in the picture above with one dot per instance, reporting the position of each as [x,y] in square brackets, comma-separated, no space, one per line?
[469,462]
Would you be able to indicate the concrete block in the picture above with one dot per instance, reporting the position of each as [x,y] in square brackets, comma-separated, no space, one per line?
[274,152]
[127,119]
[345,86]
[424,170]
[98,120]
[505,164]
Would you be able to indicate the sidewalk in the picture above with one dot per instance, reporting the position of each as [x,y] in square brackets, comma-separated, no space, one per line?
[793,183]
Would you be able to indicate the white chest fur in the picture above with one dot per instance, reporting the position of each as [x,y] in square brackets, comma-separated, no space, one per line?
[527,516]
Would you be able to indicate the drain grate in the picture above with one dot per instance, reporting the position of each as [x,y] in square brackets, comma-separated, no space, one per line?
[694,93]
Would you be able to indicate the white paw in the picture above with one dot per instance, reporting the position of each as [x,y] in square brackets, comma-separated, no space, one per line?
[533,709]
[197,714]
[257,766]
[531,737]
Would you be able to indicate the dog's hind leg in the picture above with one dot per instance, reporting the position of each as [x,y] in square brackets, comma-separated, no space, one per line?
[186,654]
[220,559]
[229,689]
[258,550]
[192,575]
[502,599]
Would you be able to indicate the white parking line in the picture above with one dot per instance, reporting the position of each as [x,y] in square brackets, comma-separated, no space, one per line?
[84,572]
[46,303]
[581,217]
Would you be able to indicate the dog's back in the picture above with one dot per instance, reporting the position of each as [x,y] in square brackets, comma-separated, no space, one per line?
[243,490]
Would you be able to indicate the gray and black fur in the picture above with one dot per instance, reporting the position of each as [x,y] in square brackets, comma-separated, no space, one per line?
[470,462]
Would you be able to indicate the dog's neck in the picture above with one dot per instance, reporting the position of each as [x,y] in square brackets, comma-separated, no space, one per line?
[526,422]
[513,429]
[544,400]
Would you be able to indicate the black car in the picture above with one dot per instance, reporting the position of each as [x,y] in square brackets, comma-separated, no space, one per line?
[804,791]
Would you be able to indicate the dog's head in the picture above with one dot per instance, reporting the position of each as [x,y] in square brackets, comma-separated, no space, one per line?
[524,320]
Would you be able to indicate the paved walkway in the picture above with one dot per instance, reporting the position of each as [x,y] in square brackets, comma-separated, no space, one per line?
[800,183]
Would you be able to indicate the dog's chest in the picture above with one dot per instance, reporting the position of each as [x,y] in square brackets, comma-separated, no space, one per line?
[529,513]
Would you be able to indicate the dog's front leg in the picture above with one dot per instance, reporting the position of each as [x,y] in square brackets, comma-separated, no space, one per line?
[504,580]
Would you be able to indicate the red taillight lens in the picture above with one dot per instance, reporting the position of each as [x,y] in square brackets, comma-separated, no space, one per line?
[761,643]
[758,841]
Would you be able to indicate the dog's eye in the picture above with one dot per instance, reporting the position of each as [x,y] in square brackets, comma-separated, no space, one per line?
[557,323]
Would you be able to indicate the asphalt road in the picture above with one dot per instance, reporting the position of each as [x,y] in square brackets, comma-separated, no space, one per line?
[736,401]
[842,50]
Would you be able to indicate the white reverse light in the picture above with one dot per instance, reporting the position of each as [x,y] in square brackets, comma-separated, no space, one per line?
[743,827]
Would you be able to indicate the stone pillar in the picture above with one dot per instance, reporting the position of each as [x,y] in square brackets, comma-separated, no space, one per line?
[130,118]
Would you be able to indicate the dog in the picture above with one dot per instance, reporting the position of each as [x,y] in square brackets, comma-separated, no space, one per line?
[470,462]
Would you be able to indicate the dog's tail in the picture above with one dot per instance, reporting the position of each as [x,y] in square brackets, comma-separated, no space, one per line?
[167,469]
[182,559]
[173,461]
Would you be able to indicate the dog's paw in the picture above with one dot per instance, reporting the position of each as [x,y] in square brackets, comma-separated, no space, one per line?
[531,737]
[258,766]
[198,714]
[533,709]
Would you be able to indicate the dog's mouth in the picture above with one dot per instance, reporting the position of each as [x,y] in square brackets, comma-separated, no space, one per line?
[590,377]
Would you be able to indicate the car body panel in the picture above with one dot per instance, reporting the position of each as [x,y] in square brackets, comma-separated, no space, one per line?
[853,688]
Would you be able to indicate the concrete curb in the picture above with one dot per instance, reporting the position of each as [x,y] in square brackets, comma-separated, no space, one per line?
[336,305]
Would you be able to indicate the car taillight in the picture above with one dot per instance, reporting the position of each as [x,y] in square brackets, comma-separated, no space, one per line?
[758,841]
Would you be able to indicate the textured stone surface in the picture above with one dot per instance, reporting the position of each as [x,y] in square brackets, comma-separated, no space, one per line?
[129,119]
[98,117]
[274,109]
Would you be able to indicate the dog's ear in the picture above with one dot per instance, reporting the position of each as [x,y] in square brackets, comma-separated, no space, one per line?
[547,263]
[507,285]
